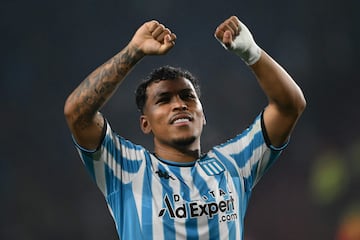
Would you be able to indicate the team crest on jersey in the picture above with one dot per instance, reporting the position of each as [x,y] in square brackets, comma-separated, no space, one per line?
[212,166]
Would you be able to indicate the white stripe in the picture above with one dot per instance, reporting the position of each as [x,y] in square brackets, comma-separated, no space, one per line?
[99,171]
[245,171]
[137,187]
[220,168]
[208,169]
[202,222]
[129,153]
[211,165]
[237,211]
[242,143]
[264,161]
[157,200]
[179,223]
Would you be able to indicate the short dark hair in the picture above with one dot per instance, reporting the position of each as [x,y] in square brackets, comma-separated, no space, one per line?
[159,74]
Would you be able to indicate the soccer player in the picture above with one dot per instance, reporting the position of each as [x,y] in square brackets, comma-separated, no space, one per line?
[175,191]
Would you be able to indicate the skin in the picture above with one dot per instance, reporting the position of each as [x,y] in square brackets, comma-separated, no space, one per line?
[169,100]
[82,106]
[286,101]
[176,142]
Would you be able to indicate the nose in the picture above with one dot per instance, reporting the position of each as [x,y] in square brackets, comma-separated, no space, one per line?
[179,104]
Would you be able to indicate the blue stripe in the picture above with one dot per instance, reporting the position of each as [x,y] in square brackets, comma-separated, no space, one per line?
[243,156]
[129,144]
[273,156]
[191,223]
[112,182]
[242,195]
[214,232]
[126,218]
[249,181]
[130,217]
[128,165]
[201,184]
[231,224]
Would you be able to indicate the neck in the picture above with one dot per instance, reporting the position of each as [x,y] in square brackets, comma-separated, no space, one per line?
[177,154]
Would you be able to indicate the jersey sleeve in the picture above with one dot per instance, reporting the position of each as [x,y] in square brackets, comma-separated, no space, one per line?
[114,163]
[251,152]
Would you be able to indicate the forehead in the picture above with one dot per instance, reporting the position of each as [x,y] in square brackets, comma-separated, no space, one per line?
[169,86]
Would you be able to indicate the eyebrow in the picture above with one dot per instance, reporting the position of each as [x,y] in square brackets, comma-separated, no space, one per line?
[162,94]
[167,93]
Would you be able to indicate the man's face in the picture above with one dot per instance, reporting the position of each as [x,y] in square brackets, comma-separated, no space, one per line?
[173,113]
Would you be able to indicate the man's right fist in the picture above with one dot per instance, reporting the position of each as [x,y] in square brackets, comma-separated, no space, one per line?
[153,38]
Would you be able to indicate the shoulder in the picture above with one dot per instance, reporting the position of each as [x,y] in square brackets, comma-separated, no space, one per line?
[253,135]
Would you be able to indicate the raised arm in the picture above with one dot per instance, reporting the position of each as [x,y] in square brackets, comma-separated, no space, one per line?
[83,104]
[286,100]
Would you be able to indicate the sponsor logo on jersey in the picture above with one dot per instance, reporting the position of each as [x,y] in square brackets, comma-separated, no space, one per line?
[194,209]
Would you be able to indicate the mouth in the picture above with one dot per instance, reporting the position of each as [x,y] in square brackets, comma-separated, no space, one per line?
[181,119]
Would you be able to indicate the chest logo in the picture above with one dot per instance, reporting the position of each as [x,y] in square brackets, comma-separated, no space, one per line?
[212,166]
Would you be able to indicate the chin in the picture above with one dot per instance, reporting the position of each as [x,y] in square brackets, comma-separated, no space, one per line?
[185,141]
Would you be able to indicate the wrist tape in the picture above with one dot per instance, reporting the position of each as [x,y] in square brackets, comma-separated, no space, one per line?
[244,46]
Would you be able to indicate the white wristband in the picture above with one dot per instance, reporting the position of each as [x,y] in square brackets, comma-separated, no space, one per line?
[244,46]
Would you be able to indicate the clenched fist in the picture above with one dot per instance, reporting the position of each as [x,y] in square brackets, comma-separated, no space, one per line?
[153,38]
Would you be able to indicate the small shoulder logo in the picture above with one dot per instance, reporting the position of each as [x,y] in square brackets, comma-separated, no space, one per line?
[163,174]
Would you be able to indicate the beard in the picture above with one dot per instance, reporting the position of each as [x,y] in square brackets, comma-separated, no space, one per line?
[183,142]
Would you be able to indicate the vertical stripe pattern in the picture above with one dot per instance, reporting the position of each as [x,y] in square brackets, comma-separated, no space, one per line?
[152,199]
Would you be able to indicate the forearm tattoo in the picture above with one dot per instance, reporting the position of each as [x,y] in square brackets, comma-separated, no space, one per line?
[98,87]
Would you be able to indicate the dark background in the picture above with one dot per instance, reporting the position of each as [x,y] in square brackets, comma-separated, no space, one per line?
[48,47]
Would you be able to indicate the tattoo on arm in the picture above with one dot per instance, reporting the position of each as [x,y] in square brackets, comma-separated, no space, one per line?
[99,86]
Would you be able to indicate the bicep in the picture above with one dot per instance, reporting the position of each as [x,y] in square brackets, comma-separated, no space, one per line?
[88,134]
[278,124]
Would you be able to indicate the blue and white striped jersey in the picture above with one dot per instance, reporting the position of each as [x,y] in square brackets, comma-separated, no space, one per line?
[151,198]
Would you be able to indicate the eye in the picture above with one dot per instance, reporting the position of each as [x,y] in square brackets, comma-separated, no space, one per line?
[163,99]
[188,95]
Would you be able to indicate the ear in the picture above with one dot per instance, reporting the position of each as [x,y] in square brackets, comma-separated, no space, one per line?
[204,119]
[144,124]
